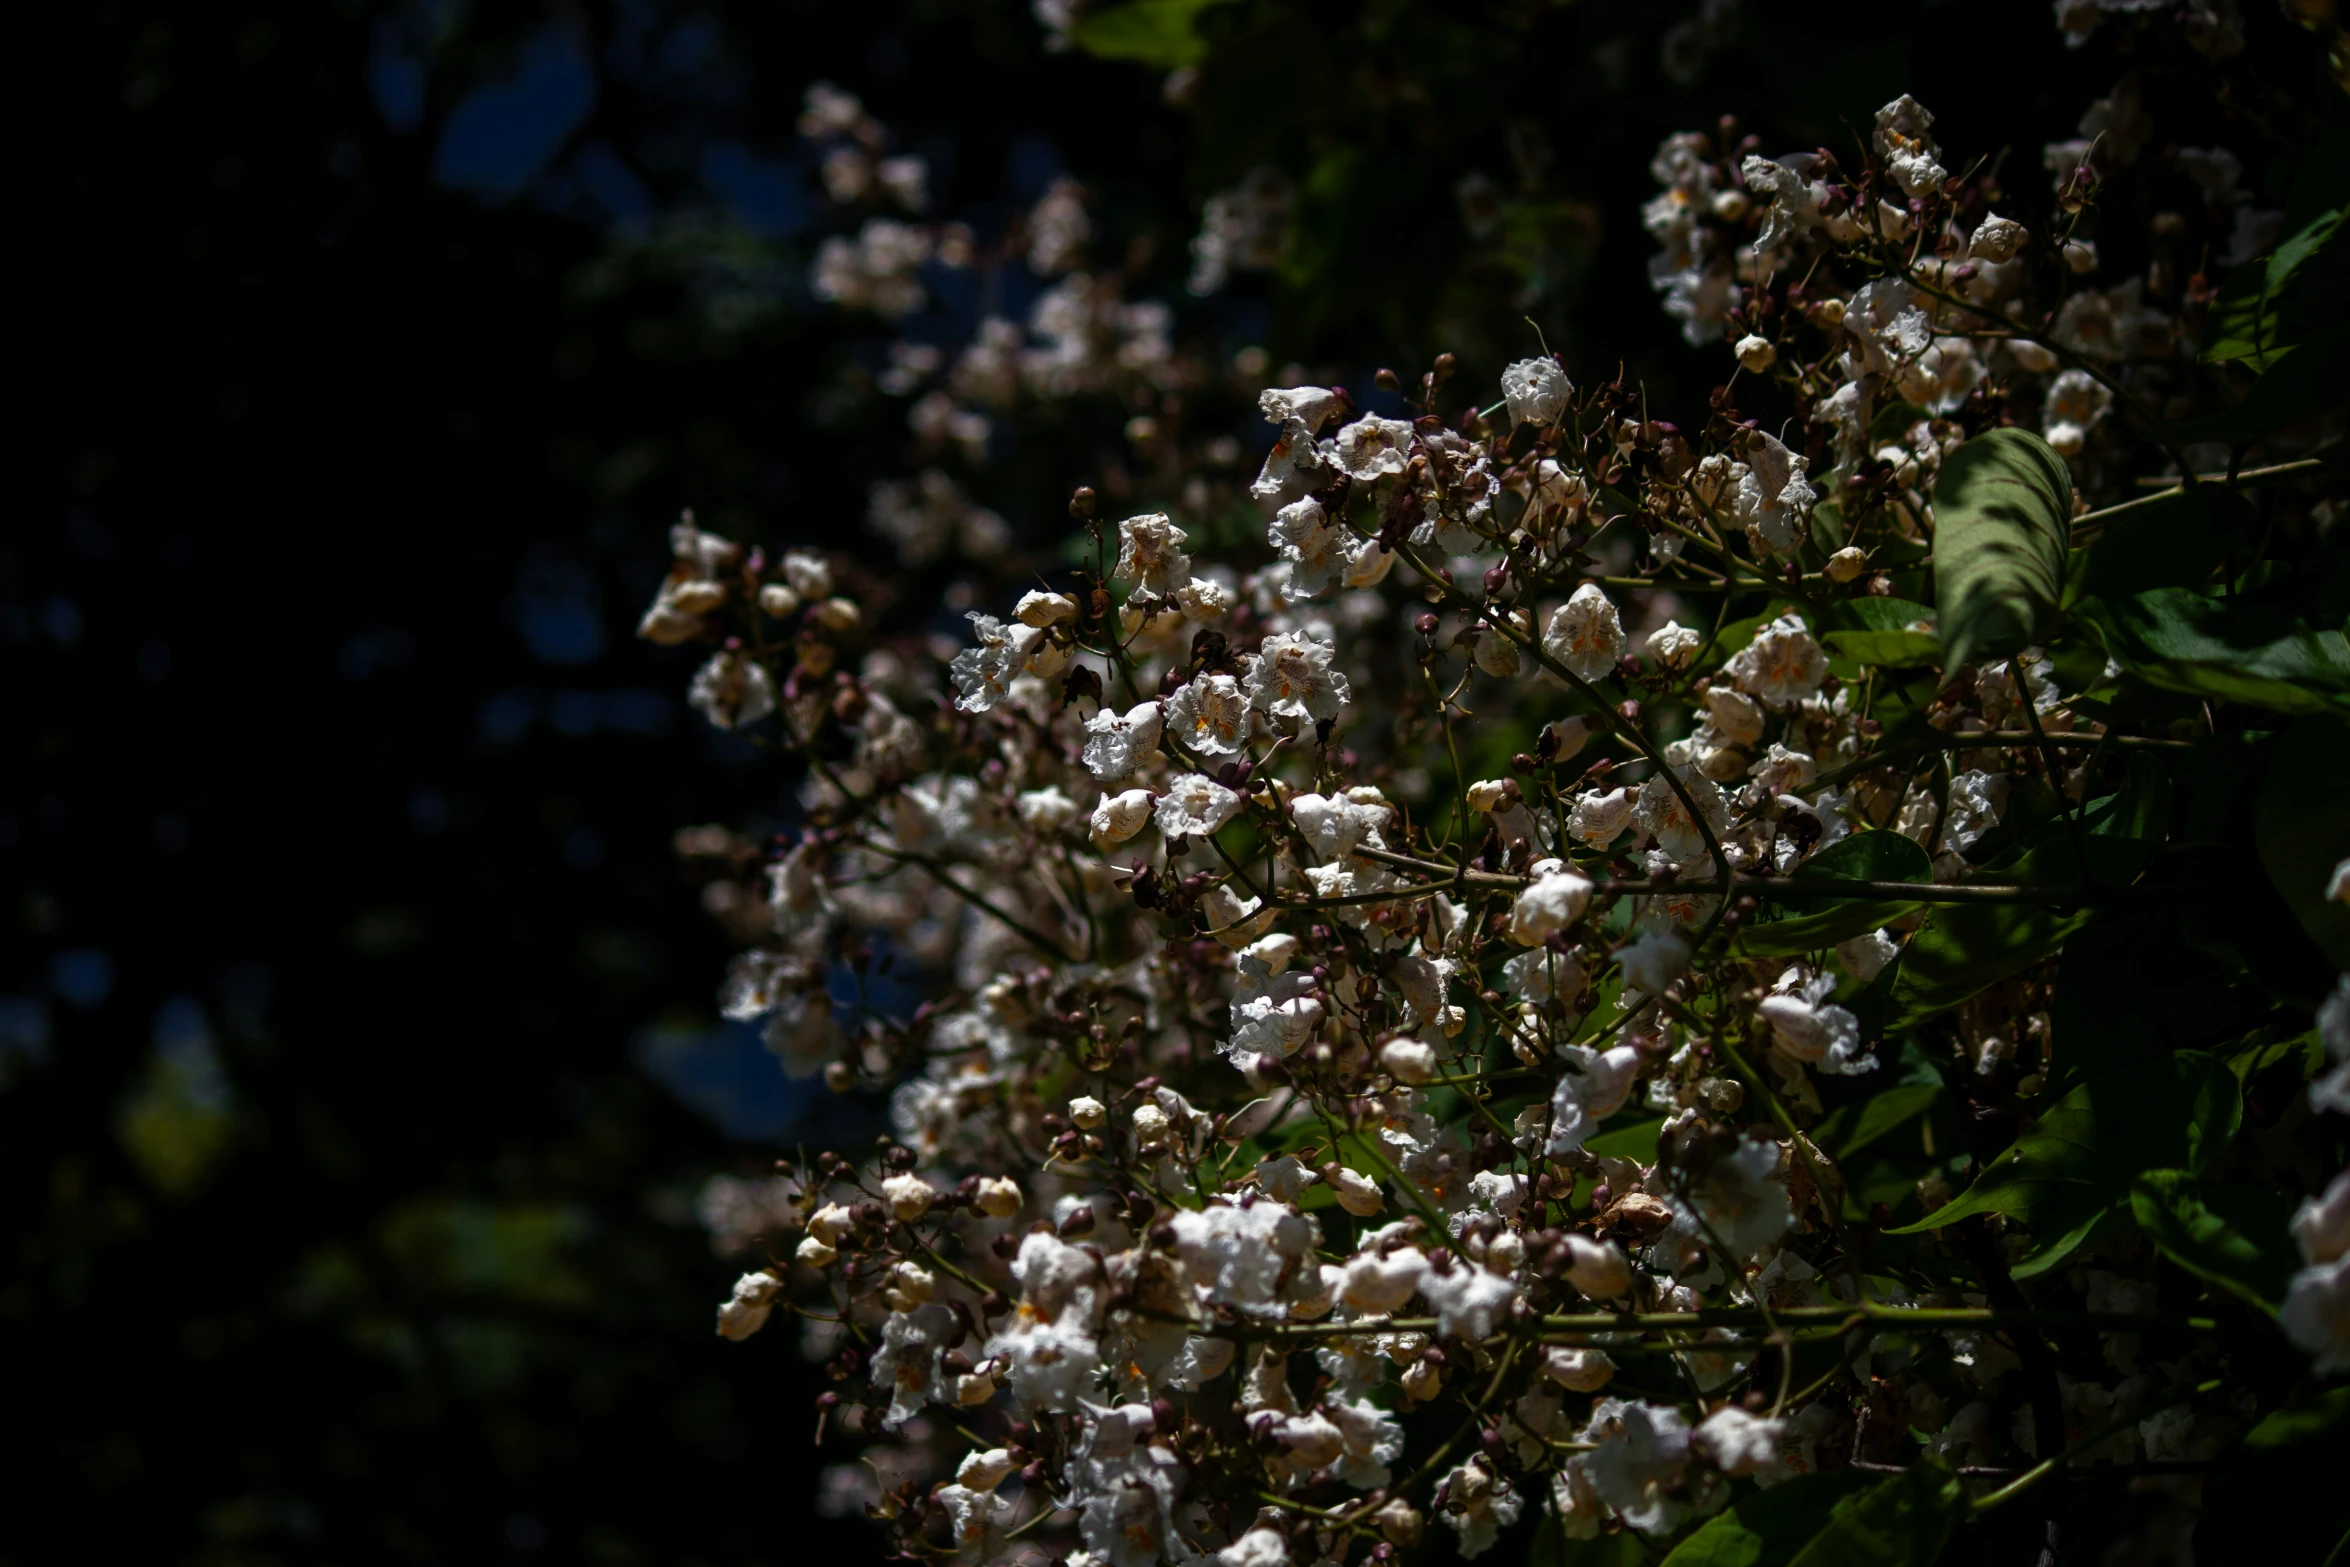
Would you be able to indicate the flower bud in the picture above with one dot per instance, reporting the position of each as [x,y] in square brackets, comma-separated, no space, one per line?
[999,1197]
[1408,1060]
[1756,354]
[1846,564]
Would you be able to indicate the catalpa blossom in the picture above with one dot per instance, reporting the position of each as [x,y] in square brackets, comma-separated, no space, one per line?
[2316,1312]
[1116,743]
[1664,817]
[1774,500]
[1599,819]
[1150,555]
[732,691]
[1585,634]
[1554,900]
[1291,678]
[1908,151]
[1209,714]
[1673,645]
[1782,665]
[1372,447]
[1536,390]
[1195,806]
[1593,1085]
[2076,402]
[1316,547]
[1337,825]
[1478,1505]
[982,675]
[1809,1028]
[1738,1200]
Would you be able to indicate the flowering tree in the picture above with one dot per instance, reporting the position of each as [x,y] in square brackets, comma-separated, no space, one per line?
[1763,984]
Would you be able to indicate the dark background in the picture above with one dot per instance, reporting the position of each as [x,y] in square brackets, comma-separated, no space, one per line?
[358,1055]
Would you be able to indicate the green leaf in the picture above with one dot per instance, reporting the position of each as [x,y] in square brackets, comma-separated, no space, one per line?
[2234,1237]
[1551,1548]
[2003,513]
[2292,1426]
[2080,1157]
[1901,1522]
[1862,856]
[2298,385]
[2180,541]
[1883,1112]
[1766,1528]
[2301,824]
[1161,33]
[2247,650]
[2248,321]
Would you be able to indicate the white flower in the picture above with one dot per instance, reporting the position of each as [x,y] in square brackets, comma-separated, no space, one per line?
[1585,634]
[1740,1443]
[985,1470]
[1373,1440]
[1774,499]
[1782,665]
[1047,810]
[1291,678]
[1468,1300]
[1597,1268]
[1195,805]
[731,690]
[2316,1315]
[1813,1030]
[983,674]
[1977,801]
[1663,817]
[1337,825]
[1865,957]
[1408,1060]
[1637,1467]
[1733,716]
[2321,1225]
[1578,1370]
[1372,446]
[1358,1194]
[1537,390]
[1653,960]
[1599,819]
[1302,408]
[1376,1285]
[1478,1505]
[747,1312]
[909,1196]
[1315,546]
[1673,645]
[1595,1086]
[1556,900]
[1257,1548]
[1237,1256]
[1997,239]
[1908,151]
[1209,714]
[1232,919]
[809,575]
[910,1360]
[1150,555]
[1115,744]
[1755,354]
[2076,402]
[999,1196]
[1737,1200]
[1118,817]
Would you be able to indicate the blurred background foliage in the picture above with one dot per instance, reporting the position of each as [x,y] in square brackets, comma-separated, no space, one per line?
[359,1061]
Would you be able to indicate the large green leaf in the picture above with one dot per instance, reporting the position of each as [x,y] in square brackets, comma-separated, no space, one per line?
[2257,317]
[1766,1528]
[1161,33]
[2003,509]
[1551,1548]
[2247,649]
[1877,631]
[2233,1236]
[2180,541]
[2295,1424]
[1963,948]
[2297,385]
[1873,855]
[2078,1161]
[1901,1522]
[1846,1132]
[2302,826]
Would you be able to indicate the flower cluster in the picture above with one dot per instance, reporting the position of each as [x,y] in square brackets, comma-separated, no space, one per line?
[1407,1003]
